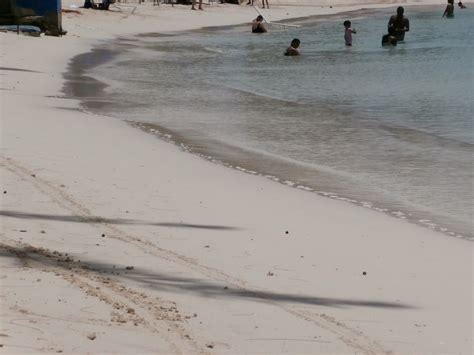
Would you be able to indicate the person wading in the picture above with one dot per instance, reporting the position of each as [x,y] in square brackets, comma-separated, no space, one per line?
[399,23]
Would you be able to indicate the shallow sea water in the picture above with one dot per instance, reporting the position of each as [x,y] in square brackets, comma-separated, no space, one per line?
[385,128]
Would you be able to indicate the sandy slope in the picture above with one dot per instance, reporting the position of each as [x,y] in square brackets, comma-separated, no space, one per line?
[114,241]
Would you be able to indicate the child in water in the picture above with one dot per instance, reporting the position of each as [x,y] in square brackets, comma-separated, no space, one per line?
[293,48]
[449,11]
[348,32]
[389,39]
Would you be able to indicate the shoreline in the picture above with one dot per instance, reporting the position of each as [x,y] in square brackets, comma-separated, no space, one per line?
[115,241]
[415,216]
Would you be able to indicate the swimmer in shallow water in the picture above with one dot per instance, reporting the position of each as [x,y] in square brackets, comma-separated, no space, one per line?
[348,31]
[461,5]
[292,50]
[399,23]
[449,11]
[258,26]
[389,39]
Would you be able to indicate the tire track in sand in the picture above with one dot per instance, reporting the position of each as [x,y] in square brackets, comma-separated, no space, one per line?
[129,306]
[352,338]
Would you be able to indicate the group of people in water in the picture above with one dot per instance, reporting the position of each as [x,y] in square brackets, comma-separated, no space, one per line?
[398,25]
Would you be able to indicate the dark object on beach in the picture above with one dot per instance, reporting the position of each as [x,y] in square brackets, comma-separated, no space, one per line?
[5,191]
[292,50]
[286,232]
[23,29]
[129,267]
[364,273]
[103,5]
[103,235]
[193,6]
[399,23]
[44,14]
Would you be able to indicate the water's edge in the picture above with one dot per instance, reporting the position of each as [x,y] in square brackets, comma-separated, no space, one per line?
[91,93]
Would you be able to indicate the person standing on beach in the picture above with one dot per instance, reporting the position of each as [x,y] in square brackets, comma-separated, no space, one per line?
[449,11]
[263,4]
[194,3]
[399,23]
[348,31]
[250,2]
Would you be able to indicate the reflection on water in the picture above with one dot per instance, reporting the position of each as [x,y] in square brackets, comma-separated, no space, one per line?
[387,127]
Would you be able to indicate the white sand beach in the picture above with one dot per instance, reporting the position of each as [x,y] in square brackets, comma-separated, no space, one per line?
[114,241]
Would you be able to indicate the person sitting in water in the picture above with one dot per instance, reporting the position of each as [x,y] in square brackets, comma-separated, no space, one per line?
[461,5]
[258,26]
[389,39]
[293,48]
[449,11]
[399,23]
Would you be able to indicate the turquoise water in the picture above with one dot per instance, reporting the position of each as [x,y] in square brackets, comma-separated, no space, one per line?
[385,128]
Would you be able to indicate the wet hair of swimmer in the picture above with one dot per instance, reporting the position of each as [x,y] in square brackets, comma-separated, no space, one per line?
[347,23]
[259,18]
[295,43]
[400,10]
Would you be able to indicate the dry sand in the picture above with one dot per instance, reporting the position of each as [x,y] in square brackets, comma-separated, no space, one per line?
[114,241]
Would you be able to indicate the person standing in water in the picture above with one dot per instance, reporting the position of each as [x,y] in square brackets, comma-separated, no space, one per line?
[449,11]
[348,31]
[292,50]
[399,23]
[258,26]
